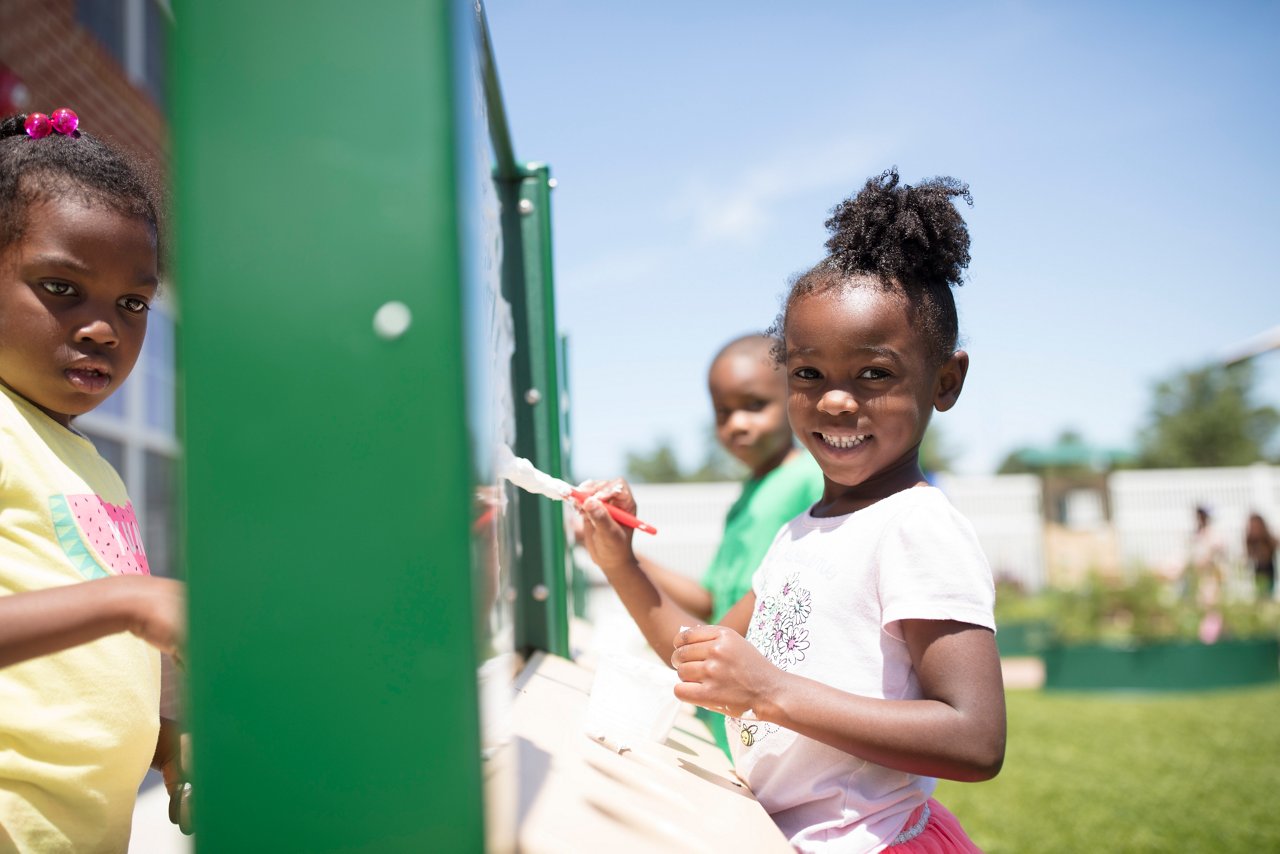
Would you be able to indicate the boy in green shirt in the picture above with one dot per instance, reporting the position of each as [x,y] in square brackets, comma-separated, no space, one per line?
[749,396]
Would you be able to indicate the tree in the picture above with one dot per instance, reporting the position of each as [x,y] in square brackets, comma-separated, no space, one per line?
[717,465]
[1070,454]
[1014,463]
[1207,417]
[935,454]
[661,464]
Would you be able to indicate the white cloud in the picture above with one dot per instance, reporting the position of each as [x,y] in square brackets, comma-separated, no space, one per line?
[619,267]
[739,209]
[742,207]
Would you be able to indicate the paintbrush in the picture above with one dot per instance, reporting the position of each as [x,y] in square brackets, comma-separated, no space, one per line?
[525,475]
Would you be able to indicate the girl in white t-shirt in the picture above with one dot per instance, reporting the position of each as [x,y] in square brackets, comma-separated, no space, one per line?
[863,664]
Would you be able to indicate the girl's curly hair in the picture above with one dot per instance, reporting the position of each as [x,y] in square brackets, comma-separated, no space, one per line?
[908,239]
[33,170]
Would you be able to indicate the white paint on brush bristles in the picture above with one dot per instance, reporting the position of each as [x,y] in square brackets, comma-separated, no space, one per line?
[523,474]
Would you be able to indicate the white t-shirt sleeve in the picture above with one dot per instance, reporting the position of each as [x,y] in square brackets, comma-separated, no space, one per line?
[931,567]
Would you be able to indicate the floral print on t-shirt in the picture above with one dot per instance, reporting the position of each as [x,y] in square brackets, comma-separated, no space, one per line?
[777,630]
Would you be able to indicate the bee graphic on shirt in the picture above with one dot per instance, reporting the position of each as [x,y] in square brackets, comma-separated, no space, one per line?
[748,734]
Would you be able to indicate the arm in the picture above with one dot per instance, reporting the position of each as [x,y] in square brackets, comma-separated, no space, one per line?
[655,612]
[684,591]
[48,621]
[956,731]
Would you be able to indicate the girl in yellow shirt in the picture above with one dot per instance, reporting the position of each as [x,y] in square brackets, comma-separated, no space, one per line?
[82,622]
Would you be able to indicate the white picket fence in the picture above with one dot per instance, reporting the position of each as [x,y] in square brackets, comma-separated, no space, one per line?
[1006,514]
[1004,510]
[1152,516]
[1154,511]
[689,518]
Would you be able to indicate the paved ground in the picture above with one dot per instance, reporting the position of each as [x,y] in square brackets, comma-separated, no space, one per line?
[1025,672]
[152,832]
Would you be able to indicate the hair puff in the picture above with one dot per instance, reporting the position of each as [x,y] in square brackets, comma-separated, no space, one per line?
[902,233]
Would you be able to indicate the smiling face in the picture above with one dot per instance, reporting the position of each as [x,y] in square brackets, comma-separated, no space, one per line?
[74,295]
[862,386]
[748,395]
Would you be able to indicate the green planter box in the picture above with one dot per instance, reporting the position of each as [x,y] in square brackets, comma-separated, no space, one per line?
[1161,666]
[1023,637]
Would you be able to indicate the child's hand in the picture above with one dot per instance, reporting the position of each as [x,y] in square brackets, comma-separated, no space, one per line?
[155,609]
[175,772]
[606,541]
[720,670]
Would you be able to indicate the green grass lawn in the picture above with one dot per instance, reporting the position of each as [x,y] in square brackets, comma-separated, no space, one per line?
[1128,772]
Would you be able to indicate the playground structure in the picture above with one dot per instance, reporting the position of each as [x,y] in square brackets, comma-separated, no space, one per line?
[379,636]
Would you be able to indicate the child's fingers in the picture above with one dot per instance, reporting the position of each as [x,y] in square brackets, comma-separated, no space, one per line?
[698,634]
[601,488]
[693,634]
[604,529]
[594,510]
[691,671]
[597,513]
[615,492]
[700,695]
[180,808]
[695,644]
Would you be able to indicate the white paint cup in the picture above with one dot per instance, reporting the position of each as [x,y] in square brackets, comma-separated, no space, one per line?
[632,702]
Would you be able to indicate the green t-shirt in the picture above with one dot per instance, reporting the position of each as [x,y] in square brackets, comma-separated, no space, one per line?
[765,505]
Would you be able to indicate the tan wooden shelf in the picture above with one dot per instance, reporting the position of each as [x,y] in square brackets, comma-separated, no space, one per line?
[576,794]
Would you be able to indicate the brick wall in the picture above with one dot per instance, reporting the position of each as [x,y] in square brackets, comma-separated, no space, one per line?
[63,65]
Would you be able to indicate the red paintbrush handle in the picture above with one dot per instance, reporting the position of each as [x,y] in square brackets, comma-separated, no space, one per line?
[622,517]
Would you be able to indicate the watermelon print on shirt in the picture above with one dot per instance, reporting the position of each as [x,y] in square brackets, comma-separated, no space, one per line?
[98,537]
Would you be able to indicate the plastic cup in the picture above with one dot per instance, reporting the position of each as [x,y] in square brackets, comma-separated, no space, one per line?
[632,702]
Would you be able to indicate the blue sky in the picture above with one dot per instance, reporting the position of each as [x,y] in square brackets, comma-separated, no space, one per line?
[1122,158]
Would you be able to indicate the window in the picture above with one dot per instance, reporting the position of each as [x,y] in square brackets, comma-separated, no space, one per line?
[135,33]
[105,19]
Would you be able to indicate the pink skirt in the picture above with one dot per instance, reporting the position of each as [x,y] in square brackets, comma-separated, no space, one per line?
[941,833]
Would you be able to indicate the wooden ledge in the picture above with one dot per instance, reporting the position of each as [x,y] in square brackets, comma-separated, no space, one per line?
[576,794]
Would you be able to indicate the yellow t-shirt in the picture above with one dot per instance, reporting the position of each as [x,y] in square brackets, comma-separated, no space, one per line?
[77,728]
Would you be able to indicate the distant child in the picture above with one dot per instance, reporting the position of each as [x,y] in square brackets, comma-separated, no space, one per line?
[1207,564]
[1260,546]
[749,397]
[863,664]
[82,623]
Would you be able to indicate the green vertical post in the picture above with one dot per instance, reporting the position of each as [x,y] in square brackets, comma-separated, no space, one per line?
[528,284]
[577,576]
[332,665]
[524,191]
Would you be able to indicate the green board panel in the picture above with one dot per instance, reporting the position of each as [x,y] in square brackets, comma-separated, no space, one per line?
[332,662]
